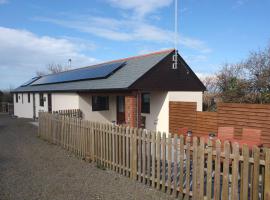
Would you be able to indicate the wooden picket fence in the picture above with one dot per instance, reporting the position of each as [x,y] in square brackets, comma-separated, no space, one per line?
[183,167]
[70,113]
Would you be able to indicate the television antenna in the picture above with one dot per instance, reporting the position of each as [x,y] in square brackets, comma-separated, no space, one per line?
[69,63]
[175,56]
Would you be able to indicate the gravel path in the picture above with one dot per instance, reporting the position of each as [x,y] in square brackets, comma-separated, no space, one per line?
[33,169]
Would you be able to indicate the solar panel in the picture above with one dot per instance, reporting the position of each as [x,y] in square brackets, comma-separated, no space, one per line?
[94,72]
[30,81]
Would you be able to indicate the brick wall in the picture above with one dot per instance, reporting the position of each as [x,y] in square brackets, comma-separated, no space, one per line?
[131,109]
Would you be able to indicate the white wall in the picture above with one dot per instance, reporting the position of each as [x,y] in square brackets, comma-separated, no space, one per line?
[23,108]
[158,118]
[64,101]
[85,105]
[187,97]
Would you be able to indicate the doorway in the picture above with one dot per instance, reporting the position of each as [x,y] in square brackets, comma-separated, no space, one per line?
[121,119]
[49,103]
[34,106]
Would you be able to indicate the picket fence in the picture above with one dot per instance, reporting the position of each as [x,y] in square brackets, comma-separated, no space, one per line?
[69,113]
[188,168]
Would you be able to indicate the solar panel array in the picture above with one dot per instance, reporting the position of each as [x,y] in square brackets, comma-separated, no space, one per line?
[30,81]
[87,73]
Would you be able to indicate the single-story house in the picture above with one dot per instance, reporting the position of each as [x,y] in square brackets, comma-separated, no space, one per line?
[135,91]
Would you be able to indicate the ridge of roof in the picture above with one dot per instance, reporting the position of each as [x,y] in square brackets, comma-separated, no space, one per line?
[141,56]
[117,60]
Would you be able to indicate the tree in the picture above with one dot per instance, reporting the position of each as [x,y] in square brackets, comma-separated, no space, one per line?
[211,95]
[231,83]
[245,82]
[1,96]
[53,69]
[258,68]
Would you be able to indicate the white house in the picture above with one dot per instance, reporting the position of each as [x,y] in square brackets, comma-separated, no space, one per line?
[135,91]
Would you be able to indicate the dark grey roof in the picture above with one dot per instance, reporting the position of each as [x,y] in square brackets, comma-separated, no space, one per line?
[134,68]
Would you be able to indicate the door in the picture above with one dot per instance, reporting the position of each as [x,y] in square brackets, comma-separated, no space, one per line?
[121,110]
[34,105]
[49,102]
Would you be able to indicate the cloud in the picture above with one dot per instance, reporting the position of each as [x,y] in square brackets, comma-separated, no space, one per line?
[140,7]
[3,1]
[127,30]
[23,53]
[239,3]
[198,58]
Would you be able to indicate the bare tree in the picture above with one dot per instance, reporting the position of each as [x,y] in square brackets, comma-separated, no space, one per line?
[211,94]
[244,82]
[53,69]
[258,68]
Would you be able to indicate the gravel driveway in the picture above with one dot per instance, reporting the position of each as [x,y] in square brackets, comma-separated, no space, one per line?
[30,168]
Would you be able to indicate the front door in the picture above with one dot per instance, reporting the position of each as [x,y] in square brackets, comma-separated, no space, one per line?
[49,102]
[34,105]
[121,110]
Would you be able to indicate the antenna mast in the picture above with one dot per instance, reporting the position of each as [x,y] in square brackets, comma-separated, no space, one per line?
[176,35]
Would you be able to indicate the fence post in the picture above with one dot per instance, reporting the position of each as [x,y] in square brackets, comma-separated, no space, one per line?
[194,166]
[134,153]
[235,169]
[267,175]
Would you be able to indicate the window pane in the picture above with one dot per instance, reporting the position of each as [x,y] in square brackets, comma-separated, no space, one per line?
[100,103]
[145,104]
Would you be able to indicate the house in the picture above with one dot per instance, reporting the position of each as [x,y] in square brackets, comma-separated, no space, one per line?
[135,91]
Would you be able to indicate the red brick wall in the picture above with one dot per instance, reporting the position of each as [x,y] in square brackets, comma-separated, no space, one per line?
[131,109]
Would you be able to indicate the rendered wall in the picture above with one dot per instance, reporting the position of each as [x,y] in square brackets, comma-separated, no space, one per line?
[187,97]
[158,118]
[23,108]
[85,105]
[65,101]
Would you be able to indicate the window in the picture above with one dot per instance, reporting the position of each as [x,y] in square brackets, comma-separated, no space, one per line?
[17,98]
[22,98]
[100,103]
[29,100]
[41,99]
[145,103]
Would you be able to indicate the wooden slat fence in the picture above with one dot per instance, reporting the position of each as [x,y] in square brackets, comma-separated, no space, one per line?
[254,116]
[182,114]
[183,167]
[239,116]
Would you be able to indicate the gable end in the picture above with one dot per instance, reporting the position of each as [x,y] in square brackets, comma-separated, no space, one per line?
[163,77]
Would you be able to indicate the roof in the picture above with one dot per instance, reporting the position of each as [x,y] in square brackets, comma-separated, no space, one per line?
[133,69]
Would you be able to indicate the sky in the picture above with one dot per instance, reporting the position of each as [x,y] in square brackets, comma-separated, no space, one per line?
[35,33]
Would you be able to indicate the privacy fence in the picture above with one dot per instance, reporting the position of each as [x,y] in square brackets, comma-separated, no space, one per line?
[183,167]
[239,116]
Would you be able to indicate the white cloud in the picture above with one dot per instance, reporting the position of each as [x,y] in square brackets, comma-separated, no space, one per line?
[194,59]
[141,7]
[127,30]
[202,76]
[3,1]
[239,3]
[23,53]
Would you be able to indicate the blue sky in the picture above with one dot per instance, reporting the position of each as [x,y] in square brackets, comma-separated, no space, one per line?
[35,33]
